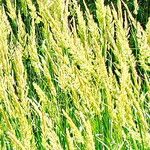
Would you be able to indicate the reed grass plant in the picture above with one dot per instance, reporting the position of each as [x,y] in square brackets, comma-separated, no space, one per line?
[72,79]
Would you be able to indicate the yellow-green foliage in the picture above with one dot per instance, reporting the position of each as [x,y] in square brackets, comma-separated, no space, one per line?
[70,81]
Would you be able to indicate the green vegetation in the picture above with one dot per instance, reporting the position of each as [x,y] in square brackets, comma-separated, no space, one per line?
[74,75]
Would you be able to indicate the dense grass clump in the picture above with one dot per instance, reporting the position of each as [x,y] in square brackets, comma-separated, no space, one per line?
[73,75]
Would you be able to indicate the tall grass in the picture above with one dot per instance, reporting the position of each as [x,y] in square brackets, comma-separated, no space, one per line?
[71,80]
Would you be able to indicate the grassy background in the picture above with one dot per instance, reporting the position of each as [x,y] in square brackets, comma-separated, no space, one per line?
[143,11]
[74,75]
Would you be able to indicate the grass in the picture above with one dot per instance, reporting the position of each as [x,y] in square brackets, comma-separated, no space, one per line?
[72,78]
